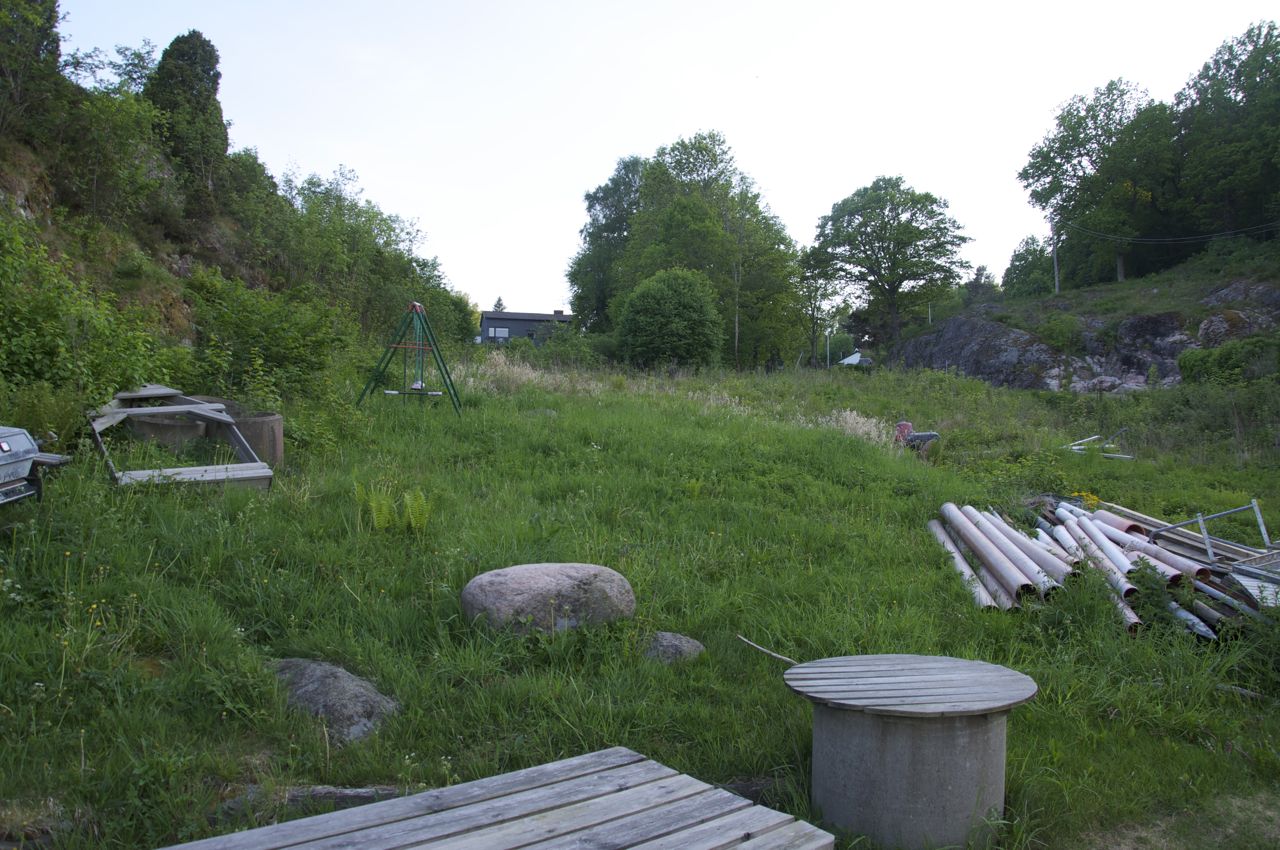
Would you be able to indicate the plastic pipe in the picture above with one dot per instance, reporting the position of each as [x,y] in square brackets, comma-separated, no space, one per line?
[1013,581]
[1043,583]
[1131,620]
[980,595]
[1111,550]
[1049,564]
[1067,542]
[1046,540]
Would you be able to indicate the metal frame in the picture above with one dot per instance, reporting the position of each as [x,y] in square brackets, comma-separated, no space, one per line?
[414,338]
[250,470]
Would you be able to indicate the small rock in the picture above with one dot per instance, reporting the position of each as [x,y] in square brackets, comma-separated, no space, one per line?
[350,706]
[549,597]
[670,647]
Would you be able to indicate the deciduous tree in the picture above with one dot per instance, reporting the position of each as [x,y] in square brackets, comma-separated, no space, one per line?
[894,245]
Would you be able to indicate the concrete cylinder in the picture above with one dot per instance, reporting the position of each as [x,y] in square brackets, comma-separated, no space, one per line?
[264,432]
[910,782]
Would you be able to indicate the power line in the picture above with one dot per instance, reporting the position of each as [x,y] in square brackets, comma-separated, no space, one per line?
[1174,240]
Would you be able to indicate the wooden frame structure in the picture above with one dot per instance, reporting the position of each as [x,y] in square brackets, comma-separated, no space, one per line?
[249,471]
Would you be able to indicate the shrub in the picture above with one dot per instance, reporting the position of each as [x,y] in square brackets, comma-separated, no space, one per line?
[671,318]
[1232,363]
[54,329]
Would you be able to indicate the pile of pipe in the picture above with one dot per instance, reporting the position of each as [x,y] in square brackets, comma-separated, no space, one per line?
[1002,565]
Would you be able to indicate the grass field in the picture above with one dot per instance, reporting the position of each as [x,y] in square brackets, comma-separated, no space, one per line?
[136,625]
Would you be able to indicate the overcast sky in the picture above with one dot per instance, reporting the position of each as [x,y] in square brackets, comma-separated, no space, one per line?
[487,121]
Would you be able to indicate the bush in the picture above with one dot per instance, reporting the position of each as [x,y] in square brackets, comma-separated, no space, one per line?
[671,318]
[55,330]
[1232,363]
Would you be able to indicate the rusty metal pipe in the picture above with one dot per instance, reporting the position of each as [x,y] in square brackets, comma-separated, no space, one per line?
[1048,564]
[1013,581]
[981,597]
[1211,616]
[1098,560]
[1043,583]
[1168,573]
[1219,596]
[1137,544]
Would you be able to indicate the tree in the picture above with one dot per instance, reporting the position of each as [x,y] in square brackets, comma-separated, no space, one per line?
[895,246]
[1030,270]
[671,318]
[185,86]
[981,286]
[593,273]
[819,289]
[30,50]
[498,306]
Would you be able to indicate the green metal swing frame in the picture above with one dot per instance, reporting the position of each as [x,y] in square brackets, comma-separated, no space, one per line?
[415,339]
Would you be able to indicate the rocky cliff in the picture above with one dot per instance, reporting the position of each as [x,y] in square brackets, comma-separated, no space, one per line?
[1102,356]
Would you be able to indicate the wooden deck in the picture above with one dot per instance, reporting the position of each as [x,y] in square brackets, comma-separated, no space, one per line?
[606,800]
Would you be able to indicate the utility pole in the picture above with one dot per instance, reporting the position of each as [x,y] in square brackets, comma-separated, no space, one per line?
[1053,235]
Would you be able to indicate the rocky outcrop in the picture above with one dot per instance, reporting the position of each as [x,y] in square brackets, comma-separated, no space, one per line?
[1141,349]
[548,597]
[350,706]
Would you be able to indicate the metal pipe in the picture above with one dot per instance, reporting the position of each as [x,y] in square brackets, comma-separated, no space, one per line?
[1191,621]
[1013,581]
[1168,573]
[1099,561]
[1211,616]
[1137,544]
[1038,577]
[1049,564]
[1218,595]
[980,595]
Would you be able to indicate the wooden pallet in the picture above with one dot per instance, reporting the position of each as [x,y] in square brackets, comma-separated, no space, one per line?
[606,800]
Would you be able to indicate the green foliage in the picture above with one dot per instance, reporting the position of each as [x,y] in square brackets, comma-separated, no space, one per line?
[258,341]
[670,319]
[184,87]
[1234,363]
[1063,331]
[1030,270]
[30,50]
[55,330]
[896,247]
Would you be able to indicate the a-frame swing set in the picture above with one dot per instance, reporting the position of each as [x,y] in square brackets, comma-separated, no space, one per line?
[415,339]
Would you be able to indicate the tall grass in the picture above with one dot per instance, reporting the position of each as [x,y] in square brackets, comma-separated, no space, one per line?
[136,625]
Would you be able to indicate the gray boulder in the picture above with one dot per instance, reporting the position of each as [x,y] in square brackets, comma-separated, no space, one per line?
[670,647]
[350,706]
[548,597]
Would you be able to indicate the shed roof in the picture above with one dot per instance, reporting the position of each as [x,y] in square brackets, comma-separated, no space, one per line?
[528,317]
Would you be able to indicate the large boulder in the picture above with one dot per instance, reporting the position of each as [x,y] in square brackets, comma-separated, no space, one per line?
[548,597]
[350,706]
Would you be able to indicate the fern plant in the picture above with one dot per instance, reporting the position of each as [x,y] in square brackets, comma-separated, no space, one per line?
[417,510]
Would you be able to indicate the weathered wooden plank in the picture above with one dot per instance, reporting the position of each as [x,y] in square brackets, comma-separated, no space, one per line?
[648,825]
[296,832]
[869,695]
[457,822]
[105,421]
[226,472]
[729,831]
[566,820]
[796,835]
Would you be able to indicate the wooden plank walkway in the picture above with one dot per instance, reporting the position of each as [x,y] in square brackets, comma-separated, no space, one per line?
[606,800]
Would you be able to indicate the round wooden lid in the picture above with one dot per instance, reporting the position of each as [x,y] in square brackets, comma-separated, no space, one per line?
[911,685]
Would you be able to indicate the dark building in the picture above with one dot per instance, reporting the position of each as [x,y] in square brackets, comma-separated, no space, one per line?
[503,327]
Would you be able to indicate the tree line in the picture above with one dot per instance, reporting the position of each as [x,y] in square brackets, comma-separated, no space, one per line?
[1133,185]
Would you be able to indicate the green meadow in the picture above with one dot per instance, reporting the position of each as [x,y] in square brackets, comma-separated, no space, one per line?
[137,624]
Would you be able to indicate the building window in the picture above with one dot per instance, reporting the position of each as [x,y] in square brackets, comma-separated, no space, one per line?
[499,333]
